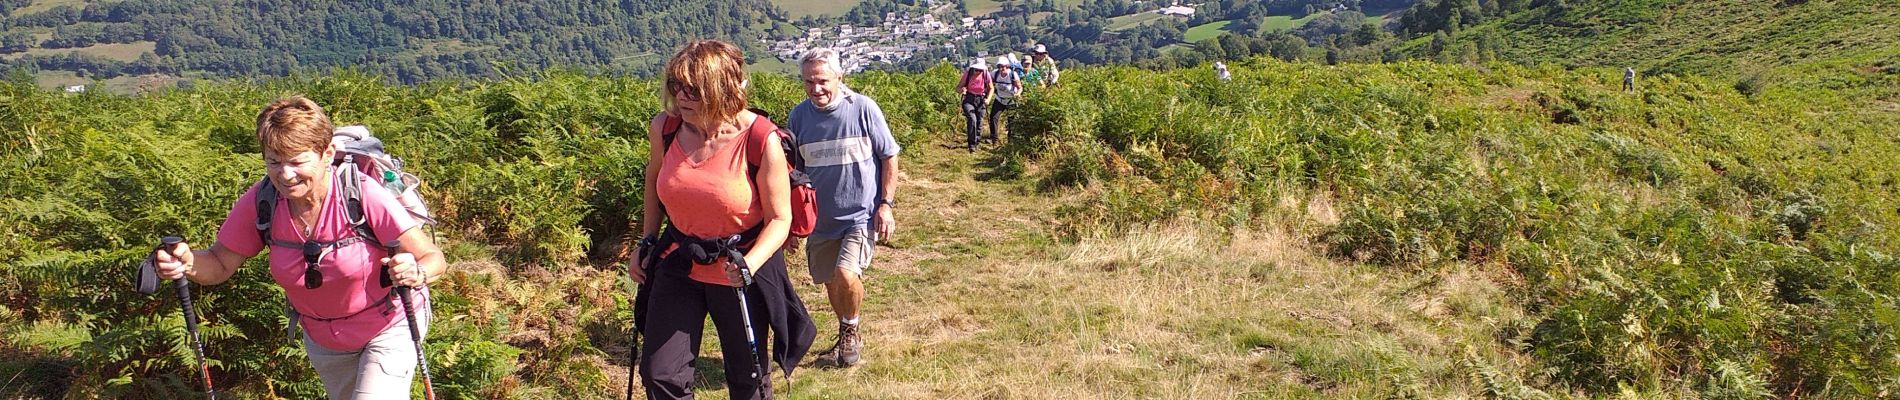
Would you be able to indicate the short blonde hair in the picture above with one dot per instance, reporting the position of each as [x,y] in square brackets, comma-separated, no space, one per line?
[293,125]
[712,70]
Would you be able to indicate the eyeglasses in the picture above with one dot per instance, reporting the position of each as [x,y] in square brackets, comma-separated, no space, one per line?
[312,278]
[690,92]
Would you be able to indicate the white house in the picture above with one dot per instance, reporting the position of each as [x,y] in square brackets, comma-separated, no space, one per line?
[1184,11]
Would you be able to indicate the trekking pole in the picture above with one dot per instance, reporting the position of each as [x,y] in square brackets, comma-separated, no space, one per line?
[633,359]
[415,331]
[633,351]
[745,314]
[148,274]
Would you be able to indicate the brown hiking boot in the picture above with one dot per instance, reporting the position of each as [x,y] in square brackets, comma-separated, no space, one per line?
[847,352]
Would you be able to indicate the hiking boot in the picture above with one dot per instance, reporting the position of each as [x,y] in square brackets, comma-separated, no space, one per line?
[848,351]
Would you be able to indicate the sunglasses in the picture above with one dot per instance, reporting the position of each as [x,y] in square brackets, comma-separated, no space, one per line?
[690,92]
[312,278]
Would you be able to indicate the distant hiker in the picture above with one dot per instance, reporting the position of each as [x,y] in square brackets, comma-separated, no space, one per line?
[1629,79]
[1220,71]
[1016,63]
[975,86]
[1045,65]
[717,178]
[1009,88]
[354,329]
[852,160]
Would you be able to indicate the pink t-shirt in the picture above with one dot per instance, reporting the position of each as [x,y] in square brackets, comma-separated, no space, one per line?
[349,298]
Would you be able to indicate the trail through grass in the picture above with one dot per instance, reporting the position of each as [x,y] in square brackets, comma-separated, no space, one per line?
[977,299]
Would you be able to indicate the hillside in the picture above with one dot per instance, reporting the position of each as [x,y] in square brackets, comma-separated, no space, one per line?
[1840,40]
[1399,230]
[407,41]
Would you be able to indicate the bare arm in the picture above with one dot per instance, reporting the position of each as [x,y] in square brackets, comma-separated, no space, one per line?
[417,243]
[775,189]
[651,212]
[205,267]
[886,223]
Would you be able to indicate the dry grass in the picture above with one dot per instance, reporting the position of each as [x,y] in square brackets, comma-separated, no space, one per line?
[975,300]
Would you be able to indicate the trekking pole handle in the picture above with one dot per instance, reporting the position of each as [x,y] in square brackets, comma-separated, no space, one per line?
[168,244]
[171,243]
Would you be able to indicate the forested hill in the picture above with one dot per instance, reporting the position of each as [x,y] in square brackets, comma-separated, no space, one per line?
[406,40]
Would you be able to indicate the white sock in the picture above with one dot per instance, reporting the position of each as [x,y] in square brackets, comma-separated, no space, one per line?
[851,321]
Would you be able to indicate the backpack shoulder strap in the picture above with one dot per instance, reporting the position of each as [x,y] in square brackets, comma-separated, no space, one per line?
[358,219]
[755,138]
[266,205]
[669,129]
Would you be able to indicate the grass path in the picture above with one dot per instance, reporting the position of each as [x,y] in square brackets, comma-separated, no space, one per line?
[978,299]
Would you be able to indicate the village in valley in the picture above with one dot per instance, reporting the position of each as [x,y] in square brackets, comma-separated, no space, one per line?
[901,35]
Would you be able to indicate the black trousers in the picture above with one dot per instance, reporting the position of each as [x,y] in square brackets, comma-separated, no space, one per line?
[676,320]
[973,116]
[996,111]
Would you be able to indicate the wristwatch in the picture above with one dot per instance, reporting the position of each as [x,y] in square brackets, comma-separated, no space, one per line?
[887,202]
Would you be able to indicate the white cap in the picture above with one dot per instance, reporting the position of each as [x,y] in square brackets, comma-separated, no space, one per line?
[1040,49]
[978,64]
[1002,60]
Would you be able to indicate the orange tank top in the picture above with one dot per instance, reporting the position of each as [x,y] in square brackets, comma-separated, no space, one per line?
[714,197]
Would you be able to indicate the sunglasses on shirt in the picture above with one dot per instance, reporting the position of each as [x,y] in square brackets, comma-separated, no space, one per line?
[312,278]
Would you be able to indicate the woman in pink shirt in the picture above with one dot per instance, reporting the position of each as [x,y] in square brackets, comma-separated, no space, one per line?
[355,333]
[717,177]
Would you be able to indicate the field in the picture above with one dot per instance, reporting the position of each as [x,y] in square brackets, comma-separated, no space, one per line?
[772,65]
[1405,230]
[1205,31]
[1137,19]
[801,8]
[58,80]
[1285,22]
[984,7]
[43,5]
[111,51]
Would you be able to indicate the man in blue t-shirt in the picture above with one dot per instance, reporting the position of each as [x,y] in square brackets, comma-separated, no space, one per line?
[852,160]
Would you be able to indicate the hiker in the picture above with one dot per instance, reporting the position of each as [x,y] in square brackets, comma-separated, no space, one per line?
[852,160]
[975,86]
[1629,80]
[1009,87]
[354,331]
[718,179]
[1047,66]
[1220,71]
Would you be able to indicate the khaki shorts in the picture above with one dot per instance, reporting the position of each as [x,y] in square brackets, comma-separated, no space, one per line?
[824,257]
[383,369]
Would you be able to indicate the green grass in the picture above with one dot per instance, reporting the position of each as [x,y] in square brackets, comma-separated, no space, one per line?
[1205,31]
[43,5]
[771,65]
[1285,22]
[1404,230]
[801,8]
[58,80]
[110,51]
[980,8]
[1137,19]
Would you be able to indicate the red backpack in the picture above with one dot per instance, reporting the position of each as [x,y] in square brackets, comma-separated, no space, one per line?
[804,197]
